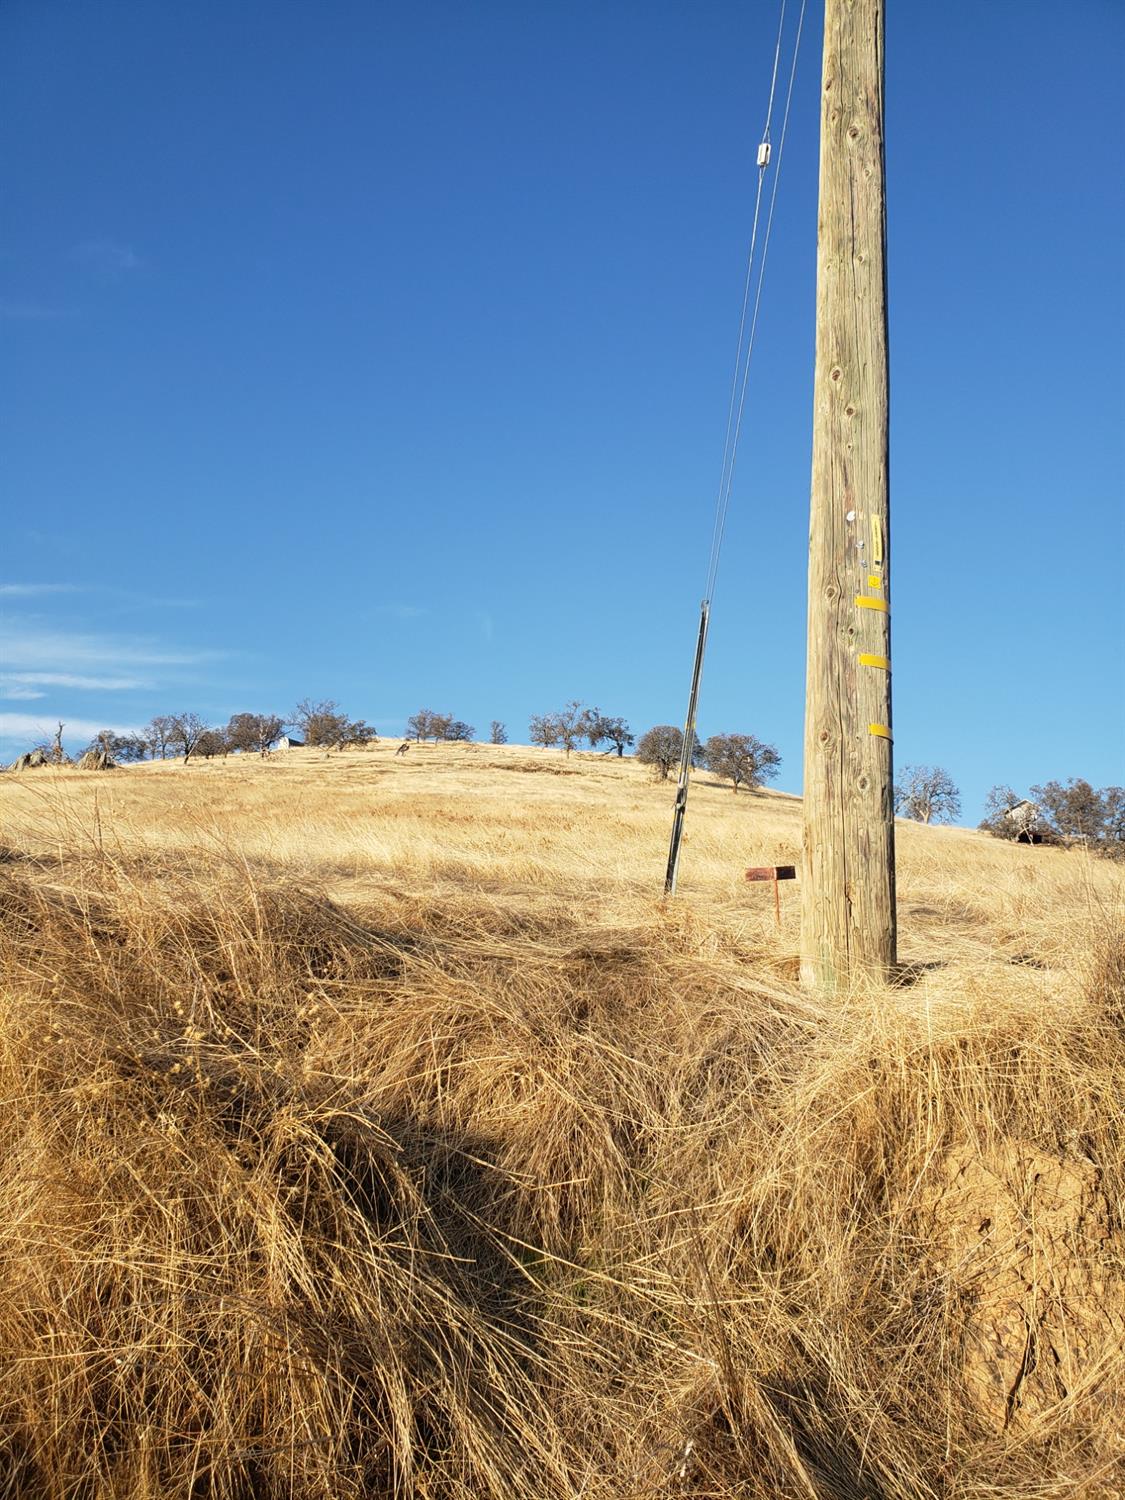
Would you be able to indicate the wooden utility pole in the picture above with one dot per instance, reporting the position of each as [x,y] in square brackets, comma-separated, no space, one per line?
[848,885]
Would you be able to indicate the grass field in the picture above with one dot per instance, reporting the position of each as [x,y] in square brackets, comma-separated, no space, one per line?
[374,1129]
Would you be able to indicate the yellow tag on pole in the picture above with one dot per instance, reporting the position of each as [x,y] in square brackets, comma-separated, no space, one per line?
[866,602]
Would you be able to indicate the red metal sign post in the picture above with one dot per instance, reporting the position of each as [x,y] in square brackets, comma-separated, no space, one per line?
[774,873]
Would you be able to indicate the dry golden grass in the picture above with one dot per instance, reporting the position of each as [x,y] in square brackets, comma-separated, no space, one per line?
[373,1129]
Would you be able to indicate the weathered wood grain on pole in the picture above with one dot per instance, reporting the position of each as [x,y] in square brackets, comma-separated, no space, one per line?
[848,884]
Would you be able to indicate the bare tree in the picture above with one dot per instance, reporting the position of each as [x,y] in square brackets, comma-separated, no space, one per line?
[426,725]
[187,730]
[498,733]
[742,759]
[50,752]
[543,730]
[324,723]
[927,794]
[239,733]
[446,727]
[157,735]
[119,747]
[999,805]
[318,720]
[457,729]
[564,728]
[601,729]
[1113,798]
[1070,813]
[355,733]
[570,723]
[1073,811]
[212,742]
[618,733]
[250,732]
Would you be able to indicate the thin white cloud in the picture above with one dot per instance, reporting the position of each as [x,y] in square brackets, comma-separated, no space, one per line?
[400,611]
[40,650]
[71,680]
[124,600]
[33,590]
[15,691]
[106,257]
[37,727]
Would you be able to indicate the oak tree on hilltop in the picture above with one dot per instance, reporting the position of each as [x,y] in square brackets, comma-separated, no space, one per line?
[119,747]
[661,747]
[742,759]
[1078,814]
[457,730]
[250,732]
[187,730]
[543,730]
[428,725]
[602,729]
[1073,811]
[927,794]
[570,723]
[212,742]
[317,721]
[1057,813]
[326,725]
[564,728]
[419,726]
[157,735]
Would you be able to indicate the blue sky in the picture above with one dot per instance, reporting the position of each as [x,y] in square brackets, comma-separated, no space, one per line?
[381,352]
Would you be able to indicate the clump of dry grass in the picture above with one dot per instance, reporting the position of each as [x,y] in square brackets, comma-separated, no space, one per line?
[442,1193]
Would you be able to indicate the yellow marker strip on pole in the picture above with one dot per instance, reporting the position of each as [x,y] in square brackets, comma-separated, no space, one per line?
[880,729]
[867,660]
[876,540]
[874,581]
[866,602]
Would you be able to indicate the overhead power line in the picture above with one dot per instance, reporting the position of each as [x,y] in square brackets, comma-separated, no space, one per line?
[736,406]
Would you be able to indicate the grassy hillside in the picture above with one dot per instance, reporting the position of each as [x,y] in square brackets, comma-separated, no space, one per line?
[374,1129]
